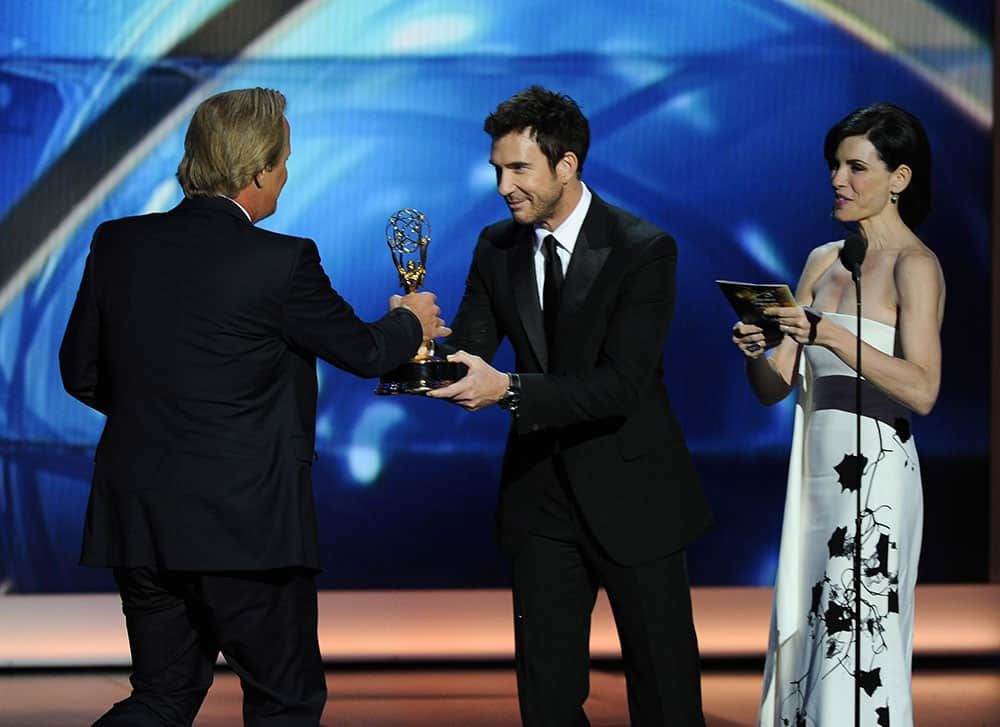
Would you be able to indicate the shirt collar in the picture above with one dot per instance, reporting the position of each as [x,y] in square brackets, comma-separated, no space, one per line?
[569,230]
[242,208]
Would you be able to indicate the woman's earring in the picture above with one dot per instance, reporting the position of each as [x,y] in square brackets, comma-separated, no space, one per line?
[894,197]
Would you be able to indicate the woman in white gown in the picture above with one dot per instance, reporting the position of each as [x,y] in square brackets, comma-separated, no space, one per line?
[880,171]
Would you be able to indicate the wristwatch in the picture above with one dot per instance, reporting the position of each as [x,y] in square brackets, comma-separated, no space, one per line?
[512,397]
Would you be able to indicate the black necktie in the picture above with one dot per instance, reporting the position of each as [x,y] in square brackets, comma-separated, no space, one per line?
[553,284]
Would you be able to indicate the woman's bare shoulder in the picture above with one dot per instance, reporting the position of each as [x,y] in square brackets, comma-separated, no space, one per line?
[919,279]
[918,261]
[820,258]
[824,253]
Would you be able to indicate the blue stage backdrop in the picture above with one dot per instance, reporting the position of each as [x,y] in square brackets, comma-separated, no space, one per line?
[707,118]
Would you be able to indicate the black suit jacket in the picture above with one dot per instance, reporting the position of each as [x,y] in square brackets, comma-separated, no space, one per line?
[595,408]
[196,334]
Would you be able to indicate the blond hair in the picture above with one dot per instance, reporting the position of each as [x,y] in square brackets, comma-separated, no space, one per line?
[233,136]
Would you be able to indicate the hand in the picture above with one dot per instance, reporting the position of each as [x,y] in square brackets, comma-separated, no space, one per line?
[753,341]
[800,322]
[482,386]
[424,307]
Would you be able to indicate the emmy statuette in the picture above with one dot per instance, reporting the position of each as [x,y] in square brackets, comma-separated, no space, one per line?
[408,233]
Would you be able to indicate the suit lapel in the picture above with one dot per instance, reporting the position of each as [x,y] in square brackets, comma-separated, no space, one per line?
[525,286]
[591,250]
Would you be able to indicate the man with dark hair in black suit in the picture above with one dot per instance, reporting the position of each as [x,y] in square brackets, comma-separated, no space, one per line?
[196,334]
[597,488]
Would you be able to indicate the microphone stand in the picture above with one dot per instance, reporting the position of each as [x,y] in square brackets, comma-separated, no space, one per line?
[856,274]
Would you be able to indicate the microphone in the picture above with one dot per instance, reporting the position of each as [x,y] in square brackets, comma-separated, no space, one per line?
[852,254]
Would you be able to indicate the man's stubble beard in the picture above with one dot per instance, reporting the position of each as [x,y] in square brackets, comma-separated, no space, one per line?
[547,211]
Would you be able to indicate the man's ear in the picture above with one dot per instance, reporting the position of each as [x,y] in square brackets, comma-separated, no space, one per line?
[567,166]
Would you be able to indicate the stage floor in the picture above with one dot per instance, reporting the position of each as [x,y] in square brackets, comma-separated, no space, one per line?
[474,696]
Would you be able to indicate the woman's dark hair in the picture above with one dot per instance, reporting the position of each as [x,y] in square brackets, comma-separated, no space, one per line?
[556,122]
[899,138]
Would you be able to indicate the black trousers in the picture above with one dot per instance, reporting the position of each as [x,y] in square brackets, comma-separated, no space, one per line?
[556,578]
[263,622]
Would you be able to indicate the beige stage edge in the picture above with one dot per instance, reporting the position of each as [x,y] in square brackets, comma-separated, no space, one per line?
[382,626]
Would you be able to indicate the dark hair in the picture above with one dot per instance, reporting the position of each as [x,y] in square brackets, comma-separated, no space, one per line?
[556,122]
[899,138]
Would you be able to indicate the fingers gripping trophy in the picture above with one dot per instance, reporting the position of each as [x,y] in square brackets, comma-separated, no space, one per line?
[408,234]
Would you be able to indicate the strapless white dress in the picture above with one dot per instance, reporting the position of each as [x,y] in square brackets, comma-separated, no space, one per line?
[809,672]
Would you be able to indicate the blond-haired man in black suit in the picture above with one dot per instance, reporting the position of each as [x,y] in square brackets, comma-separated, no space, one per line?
[196,334]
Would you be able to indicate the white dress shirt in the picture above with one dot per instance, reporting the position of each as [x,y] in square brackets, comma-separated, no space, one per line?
[565,235]
[242,208]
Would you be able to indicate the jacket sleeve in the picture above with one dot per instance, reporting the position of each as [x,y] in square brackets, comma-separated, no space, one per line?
[83,376]
[629,356]
[318,320]
[475,328]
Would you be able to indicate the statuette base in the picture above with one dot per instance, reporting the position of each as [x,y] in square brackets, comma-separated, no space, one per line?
[419,377]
